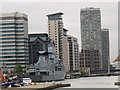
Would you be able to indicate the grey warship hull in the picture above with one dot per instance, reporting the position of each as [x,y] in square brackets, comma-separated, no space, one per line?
[43,78]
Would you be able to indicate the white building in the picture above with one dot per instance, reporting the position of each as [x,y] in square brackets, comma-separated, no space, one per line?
[14,39]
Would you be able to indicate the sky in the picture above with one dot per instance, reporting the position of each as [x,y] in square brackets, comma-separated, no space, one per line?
[37,12]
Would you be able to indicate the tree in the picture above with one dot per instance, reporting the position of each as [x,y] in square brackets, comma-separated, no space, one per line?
[24,71]
[18,69]
[82,72]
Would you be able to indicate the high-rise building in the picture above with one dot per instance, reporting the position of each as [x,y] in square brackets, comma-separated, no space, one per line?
[14,40]
[74,54]
[59,36]
[91,31]
[38,42]
[105,49]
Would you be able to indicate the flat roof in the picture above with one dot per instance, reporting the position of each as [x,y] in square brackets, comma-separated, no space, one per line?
[38,33]
[105,29]
[59,13]
[89,8]
[65,29]
[17,14]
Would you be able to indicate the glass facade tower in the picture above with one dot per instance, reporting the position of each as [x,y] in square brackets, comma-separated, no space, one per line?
[91,31]
[105,49]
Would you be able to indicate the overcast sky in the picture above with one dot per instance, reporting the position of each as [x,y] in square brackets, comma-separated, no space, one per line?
[37,12]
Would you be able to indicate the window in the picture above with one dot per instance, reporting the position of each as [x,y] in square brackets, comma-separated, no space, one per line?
[14,42]
[12,49]
[11,27]
[10,31]
[14,46]
[11,24]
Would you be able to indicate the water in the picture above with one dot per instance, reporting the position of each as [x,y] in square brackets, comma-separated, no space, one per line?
[92,82]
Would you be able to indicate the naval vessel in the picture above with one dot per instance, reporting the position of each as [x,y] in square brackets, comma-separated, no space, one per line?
[47,68]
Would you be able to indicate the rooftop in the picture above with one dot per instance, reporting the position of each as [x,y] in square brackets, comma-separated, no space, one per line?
[105,29]
[89,8]
[42,36]
[117,59]
[38,34]
[65,29]
[17,14]
[59,13]
[33,39]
